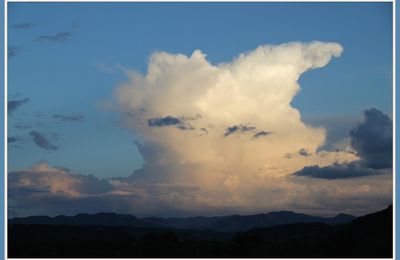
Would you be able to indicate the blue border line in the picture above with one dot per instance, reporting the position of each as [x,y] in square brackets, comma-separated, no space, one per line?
[397,231]
[2,187]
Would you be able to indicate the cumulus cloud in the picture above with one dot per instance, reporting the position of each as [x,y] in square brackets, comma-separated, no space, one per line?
[55,180]
[48,190]
[12,105]
[224,156]
[43,190]
[42,141]
[371,140]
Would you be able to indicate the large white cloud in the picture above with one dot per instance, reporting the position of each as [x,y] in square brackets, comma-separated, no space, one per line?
[227,129]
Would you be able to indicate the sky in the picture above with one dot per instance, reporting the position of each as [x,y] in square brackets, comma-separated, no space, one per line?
[179,109]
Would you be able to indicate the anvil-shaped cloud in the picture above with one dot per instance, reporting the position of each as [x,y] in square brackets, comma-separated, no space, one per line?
[224,106]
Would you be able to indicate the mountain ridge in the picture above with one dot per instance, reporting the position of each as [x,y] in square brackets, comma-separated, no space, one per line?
[368,236]
[229,223]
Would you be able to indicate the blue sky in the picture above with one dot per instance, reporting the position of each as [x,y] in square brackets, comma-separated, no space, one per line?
[62,77]
[68,58]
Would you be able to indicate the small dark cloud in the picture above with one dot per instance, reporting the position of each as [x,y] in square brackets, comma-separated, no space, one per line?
[372,140]
[11,139]
[69,118]
[13,51]
[204,130]
[58,37]
[54,136]
[14,104]
[238,129]
[22,26]
[129,114]
[336,171]
[179,123]
[39,114]
[288,155]
[163,121]
[190,118]
[261,134]
[184,127]
[27,125]
[41,141]
[304,152]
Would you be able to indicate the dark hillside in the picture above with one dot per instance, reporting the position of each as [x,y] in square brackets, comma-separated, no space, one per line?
[367,236]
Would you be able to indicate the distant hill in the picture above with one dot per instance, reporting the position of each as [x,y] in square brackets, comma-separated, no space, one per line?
[372,235]
[367,236]
[99,219]
[242,223]
[232,223]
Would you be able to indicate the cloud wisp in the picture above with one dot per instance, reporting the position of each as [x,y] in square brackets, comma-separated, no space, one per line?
[238,129]
[12,105]
[74,117]
[336,171]
[179,123]
[13,51]
[42,141]
[11,139]
[261,134]
[163,121]
[58,37]
[22,26]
